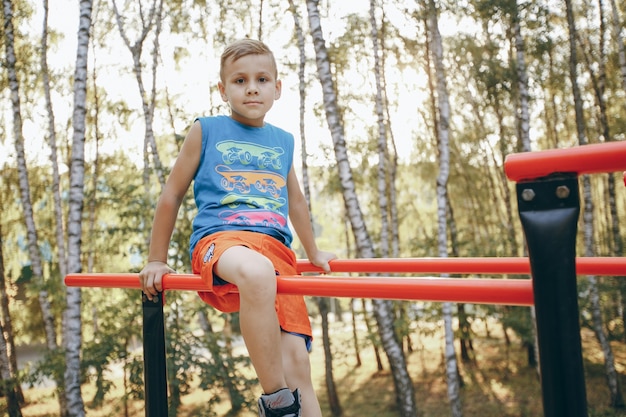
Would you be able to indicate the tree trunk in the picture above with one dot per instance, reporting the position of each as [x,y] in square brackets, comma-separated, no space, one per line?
[598,83]
[370,332]
[154,18]
[322,303]
[31,230]
[52,141]
[72,322]
[236,399]
[436,49]
[619,41]
[9,382]
[392,159]
[588,220]
[95,174]
[383,154]
[331,389]
[7,323]
[33,245]
[355,334]
[8,361]
[522,82]
[465,334]
[405,394]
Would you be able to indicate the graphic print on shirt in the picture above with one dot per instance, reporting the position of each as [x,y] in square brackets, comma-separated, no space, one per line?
[246,153]
[252,189]
[242,180]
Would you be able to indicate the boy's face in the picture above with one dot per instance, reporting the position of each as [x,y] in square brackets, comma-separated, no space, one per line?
[249,86]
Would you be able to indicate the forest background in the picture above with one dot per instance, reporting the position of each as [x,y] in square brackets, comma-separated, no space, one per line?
[403,112]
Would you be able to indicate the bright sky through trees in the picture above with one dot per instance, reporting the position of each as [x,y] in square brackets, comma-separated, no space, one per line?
[191,82]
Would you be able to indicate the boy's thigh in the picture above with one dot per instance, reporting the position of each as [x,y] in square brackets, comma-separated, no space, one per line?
[236,262]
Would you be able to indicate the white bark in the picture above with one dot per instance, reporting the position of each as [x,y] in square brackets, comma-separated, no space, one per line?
[153,19]
[443,139]
[31,230]
[72,319]
[381,138]
[52,142]
[588,219]
[384,316]
[522,83]
[12,404]
[619,41]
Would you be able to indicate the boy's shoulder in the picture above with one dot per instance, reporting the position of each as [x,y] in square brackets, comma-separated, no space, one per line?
[212,119]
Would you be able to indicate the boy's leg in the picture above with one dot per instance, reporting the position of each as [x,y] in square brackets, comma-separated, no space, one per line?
[255,277]
[297,368]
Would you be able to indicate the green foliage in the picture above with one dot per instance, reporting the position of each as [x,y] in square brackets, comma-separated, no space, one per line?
[518,319]
[50,366]
[112,326]
[197,356]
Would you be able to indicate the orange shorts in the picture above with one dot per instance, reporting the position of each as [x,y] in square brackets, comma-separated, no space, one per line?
[291,309]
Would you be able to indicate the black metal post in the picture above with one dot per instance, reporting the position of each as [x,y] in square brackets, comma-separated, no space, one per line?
[155,374]
[549,209]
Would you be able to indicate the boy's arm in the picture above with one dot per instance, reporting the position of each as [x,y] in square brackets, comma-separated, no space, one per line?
[166,211]
[301,221]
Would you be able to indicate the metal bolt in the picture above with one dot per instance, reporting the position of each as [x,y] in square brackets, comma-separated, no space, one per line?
[562,191]
[528,194]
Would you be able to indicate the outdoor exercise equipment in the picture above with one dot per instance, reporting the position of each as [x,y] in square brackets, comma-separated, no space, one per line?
[548,205]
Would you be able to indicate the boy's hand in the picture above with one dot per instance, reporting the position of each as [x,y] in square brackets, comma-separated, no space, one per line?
[322,259]
[151,278]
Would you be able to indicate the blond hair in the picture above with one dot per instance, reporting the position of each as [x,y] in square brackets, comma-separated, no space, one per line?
[245,47]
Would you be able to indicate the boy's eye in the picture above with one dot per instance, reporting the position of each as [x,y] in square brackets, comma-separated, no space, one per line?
[239,81]
[262,79]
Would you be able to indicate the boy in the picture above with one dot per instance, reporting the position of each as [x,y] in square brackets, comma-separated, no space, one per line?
[245,188]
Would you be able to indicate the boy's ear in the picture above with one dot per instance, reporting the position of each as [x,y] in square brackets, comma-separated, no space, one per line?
[220,86]
[279,87]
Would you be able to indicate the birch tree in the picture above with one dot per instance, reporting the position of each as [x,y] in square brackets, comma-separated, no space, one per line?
[95,173]
[618,40]
[8,381]
[24,185]
[322,303]
[523,112]
[405,395]
[381,136]
[149,20]
[588,218]
[9,386]
[52,142]
[33,246]
[443,123]
[618,243]
[523,121]
[72,322]
[392,151]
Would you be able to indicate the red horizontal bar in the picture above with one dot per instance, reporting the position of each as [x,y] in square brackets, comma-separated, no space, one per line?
[467,290]
[605,266]
[460,290]
[585,159]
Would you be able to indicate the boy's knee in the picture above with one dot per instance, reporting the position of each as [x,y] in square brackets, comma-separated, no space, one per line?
[298,360]
[257,276]
[297,368]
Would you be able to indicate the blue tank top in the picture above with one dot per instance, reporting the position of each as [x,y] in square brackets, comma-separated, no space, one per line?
[241,181]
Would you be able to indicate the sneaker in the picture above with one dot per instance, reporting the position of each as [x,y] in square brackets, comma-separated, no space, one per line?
[273,405]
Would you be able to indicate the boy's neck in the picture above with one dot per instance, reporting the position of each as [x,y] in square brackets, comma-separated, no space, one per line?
[255,123]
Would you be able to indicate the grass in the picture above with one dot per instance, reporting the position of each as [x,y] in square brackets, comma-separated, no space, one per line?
[497,383]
